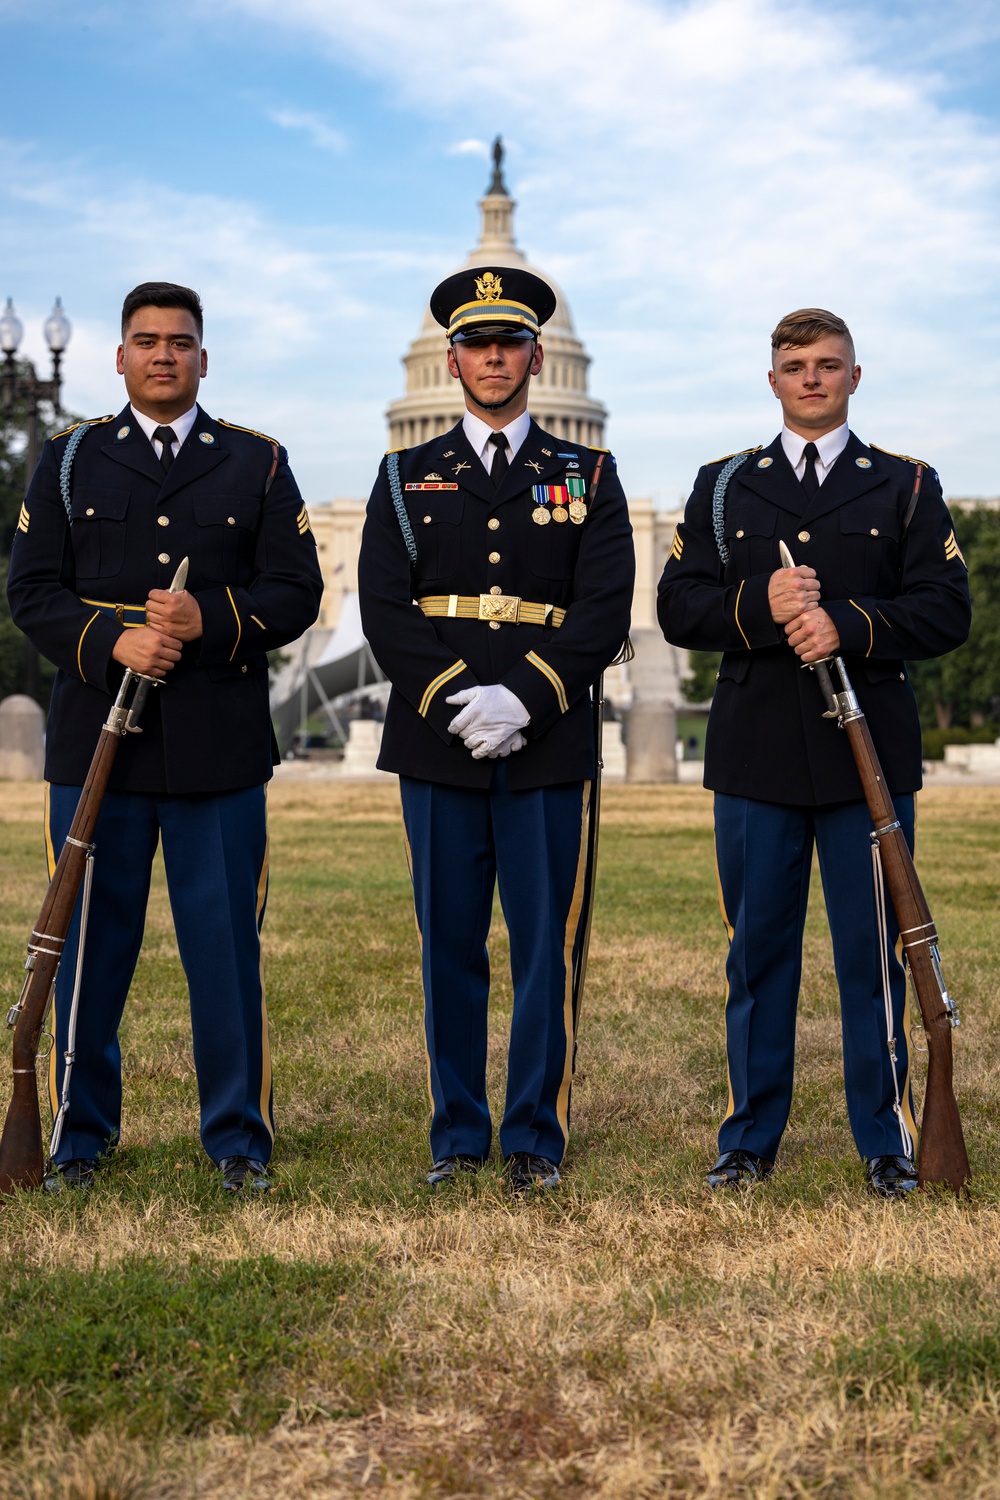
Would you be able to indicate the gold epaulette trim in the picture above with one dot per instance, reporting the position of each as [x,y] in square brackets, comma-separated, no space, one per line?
[87,422]
[598,450]
[904,456]
[234,427]
[727,456]
[394,450]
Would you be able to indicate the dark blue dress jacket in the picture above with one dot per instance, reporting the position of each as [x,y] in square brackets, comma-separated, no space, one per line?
[230,505]
[586,569]
[894,595]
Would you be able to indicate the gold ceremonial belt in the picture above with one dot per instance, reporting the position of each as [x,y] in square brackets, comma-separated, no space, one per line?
[498,609]
[126,614]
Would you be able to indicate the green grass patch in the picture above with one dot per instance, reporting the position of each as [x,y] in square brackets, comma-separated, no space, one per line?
[150,1347]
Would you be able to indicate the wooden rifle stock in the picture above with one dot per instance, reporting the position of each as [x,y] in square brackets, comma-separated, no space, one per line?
[942,1157]
[21,1155]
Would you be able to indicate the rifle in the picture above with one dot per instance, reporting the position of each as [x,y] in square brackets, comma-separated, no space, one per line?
[21,1157]
[579,976]
[943,1157]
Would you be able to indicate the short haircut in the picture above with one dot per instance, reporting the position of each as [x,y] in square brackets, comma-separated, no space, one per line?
[162,294]
[797,330]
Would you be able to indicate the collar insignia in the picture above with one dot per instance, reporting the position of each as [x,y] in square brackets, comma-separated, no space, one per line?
[449,454]
[123,433]
[547,452]
[764,463]
[531,464]
[206,437]
[863,463]
[460,466]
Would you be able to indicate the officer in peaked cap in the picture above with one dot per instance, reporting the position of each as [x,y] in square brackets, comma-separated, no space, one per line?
[880,580]
[496,578]
[115,505]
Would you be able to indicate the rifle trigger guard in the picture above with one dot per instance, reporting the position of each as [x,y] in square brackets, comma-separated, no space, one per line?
[42,1056]
[913,1039]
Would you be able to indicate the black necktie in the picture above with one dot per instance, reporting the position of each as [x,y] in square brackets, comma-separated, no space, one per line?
[167,436]
[499,466]
[809,481]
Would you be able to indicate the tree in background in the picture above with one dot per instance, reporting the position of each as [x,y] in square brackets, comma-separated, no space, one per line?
[13,485]
[961,689]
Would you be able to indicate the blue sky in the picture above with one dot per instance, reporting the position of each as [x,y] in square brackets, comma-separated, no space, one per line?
[688,170]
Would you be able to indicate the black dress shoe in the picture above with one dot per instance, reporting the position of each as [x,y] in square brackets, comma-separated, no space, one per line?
[239,1172]
[891,1176]
[738,1169]
[78,1173]
[448,1168]
[528,1171]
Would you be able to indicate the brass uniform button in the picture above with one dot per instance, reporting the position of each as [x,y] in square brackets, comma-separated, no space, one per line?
[427,520]
[494,557]
[494,624]
[231,520]
[163,520]
[90,510]
[874,531]
[902,676]
[803,536]
[493,523]
[739,533]
[243,668]
[496,589]
[164,557]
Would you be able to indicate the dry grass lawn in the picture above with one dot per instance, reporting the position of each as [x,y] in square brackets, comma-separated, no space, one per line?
[630,1337]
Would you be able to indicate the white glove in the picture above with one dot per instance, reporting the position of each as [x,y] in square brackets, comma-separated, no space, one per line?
[489,720]
[516,742]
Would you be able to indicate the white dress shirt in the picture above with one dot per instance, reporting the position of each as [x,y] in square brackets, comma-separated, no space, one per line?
[479,434]
[181,425]
[829,447]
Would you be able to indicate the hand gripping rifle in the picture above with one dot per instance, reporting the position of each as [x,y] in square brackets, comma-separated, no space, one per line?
[21,1159]
[943,1157]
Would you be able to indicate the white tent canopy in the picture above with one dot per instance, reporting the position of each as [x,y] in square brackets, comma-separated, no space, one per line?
[344,665]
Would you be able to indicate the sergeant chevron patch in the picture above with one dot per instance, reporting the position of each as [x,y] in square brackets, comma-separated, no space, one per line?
[24,518]
[951,550]
[302,521]
[677,546]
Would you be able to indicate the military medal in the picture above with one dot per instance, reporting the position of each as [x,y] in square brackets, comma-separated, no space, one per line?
[578,511]
[559,513]
[576,486]
[540,515]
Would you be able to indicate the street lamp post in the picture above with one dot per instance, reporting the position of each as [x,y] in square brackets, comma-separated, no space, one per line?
[22,388]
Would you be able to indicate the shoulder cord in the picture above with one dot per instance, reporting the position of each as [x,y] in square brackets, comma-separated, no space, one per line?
[397,500]
[719,502]
[66,467]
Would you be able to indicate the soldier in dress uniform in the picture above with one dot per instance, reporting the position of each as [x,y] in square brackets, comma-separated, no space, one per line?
[113,508]
[880,580]
[496,580]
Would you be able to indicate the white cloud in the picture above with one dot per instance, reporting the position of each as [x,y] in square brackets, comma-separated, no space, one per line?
[470,147]
[317,131]
[694,168]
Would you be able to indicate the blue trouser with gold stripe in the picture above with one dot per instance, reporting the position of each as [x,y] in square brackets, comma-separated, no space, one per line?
[462,843]
[764,852]
[215,857]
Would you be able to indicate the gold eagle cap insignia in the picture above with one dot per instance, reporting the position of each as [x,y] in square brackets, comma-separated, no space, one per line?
[488,287]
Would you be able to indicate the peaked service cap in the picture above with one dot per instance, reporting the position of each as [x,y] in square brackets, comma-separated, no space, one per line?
[497,300]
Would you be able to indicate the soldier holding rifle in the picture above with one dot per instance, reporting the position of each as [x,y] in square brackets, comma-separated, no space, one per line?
[113,509]
[496,581]
[880,580]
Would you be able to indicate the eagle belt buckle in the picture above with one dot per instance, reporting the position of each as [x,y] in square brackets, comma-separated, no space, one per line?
[503,608]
